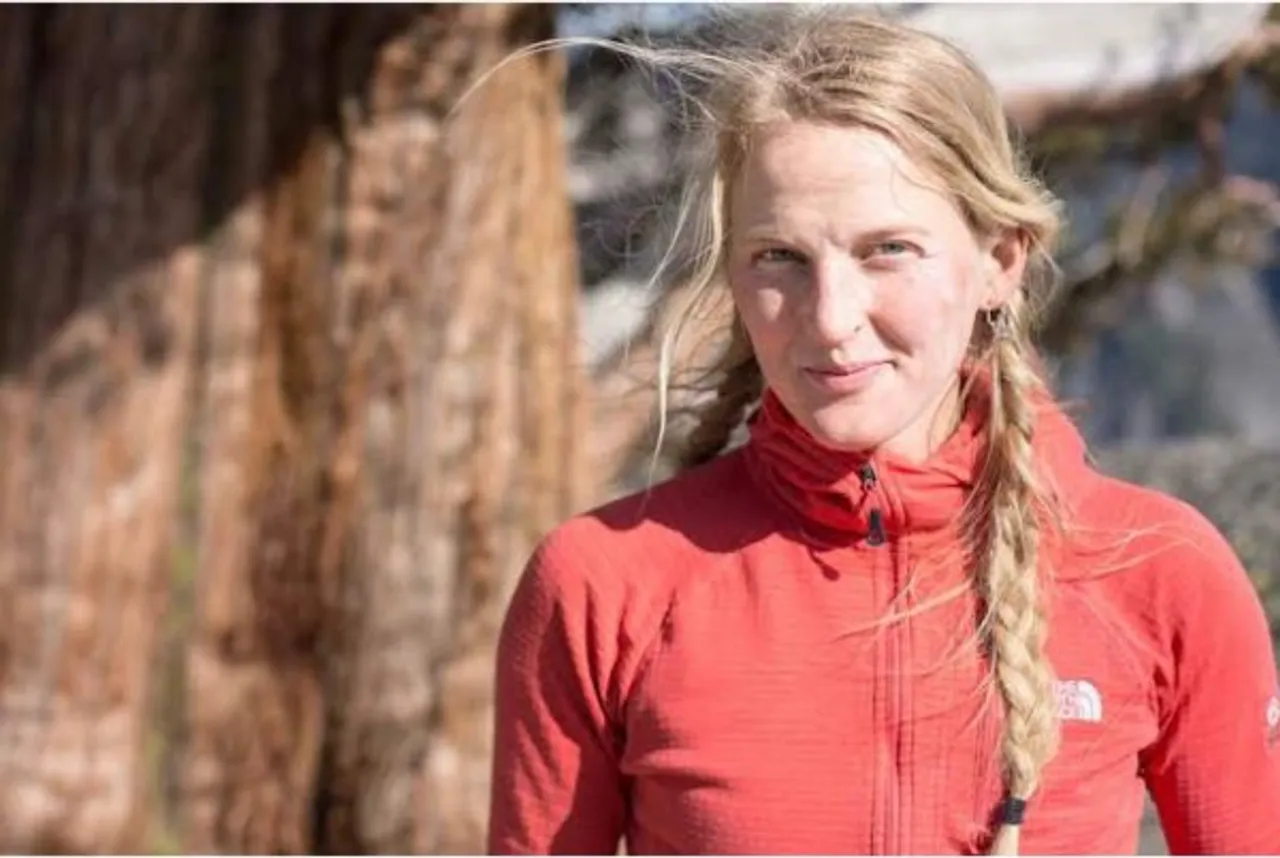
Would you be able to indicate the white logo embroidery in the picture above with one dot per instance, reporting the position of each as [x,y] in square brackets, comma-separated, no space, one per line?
[1078,700]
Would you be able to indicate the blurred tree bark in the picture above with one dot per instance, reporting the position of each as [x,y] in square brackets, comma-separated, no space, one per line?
[253,228]
[393,414]
[103,152]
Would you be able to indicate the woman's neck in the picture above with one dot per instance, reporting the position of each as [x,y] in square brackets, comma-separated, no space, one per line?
[922,437]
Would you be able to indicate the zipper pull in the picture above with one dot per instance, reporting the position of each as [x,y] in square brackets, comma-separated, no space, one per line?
[875,534]
[867,473]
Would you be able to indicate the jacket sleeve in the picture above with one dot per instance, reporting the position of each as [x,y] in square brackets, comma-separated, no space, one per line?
[1214,771]
[556,786]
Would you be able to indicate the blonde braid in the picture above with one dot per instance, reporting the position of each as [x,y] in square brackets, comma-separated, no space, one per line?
[1009,581]
[740,386]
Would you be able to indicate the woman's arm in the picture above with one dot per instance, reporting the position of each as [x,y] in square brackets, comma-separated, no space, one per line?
[1214,772]
[556,786]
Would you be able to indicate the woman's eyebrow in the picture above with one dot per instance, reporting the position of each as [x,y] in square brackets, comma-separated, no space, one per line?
[774,229]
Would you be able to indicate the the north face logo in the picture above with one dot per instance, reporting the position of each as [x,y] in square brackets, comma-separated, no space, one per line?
[1078,700]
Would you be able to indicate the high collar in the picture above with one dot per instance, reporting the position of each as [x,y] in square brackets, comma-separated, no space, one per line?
[839,496]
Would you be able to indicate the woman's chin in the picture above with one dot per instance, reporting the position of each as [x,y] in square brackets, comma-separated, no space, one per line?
[844,428]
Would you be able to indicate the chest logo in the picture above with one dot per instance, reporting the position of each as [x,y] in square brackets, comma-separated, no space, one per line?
[1078,700]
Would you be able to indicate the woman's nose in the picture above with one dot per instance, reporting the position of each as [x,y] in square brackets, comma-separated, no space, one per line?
[841,297]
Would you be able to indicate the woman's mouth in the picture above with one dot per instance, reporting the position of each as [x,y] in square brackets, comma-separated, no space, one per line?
[845,378]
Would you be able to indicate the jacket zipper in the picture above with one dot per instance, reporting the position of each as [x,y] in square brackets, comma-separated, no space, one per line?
[893,682]
[875,531]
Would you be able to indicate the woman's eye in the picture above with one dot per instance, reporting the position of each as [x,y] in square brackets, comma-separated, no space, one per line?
[891,248]
[778,256]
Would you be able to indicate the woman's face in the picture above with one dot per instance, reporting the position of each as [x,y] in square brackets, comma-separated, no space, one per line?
[859,282]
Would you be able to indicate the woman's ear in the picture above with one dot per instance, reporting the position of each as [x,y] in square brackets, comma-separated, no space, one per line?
[1005,261]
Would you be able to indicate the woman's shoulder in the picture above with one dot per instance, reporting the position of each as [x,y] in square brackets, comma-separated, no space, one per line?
[1173,546]
[591,603]
[653,538]
[1158,564]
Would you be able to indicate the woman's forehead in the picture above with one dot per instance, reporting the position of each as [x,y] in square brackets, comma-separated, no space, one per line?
[805,170]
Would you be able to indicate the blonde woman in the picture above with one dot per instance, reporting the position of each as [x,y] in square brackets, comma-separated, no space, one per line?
[906,616]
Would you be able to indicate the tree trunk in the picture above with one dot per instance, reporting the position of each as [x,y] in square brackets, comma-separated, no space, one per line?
[252,230]
[467,410]
[102,153]
[392,417]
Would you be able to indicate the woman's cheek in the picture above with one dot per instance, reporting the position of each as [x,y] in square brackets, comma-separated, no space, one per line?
[758,298]
[922,302]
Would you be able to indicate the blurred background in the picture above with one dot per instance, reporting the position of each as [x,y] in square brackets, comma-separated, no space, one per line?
[297,362]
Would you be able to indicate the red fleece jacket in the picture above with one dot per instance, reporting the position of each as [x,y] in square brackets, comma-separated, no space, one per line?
[703,670]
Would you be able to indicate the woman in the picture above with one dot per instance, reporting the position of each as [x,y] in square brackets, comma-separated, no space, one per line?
[906,615]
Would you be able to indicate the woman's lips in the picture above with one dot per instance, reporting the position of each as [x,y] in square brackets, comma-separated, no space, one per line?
[847,378]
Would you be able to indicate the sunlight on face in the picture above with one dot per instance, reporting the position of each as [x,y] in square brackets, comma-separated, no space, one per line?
[859,283]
